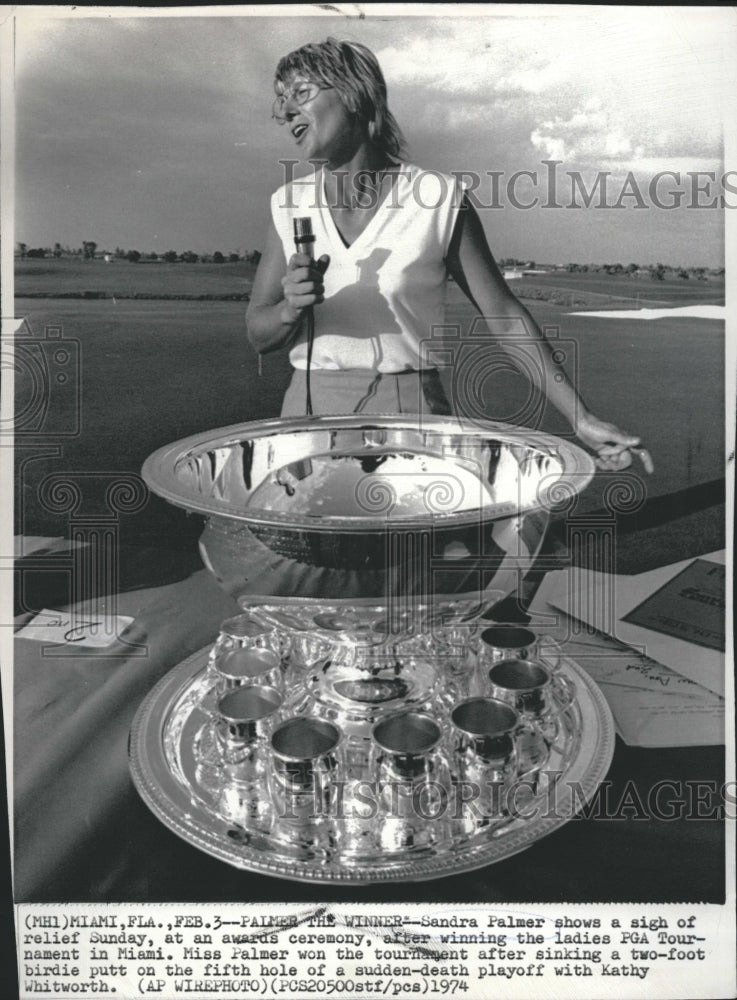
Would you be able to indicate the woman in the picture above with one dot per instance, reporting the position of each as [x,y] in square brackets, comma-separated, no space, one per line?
[391,235]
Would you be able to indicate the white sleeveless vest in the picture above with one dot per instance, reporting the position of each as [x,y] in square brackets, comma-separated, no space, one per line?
[384,293]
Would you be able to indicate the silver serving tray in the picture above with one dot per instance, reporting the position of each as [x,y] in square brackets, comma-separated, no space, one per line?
[164,770]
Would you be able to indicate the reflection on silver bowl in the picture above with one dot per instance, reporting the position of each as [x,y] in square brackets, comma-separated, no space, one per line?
[393,512]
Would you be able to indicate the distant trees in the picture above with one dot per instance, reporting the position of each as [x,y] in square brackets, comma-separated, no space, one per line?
[503,262]
[90,251]
[656,272]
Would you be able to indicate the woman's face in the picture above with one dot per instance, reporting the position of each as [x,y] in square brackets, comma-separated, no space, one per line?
[322,127]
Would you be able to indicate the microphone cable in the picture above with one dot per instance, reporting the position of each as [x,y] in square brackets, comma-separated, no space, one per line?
[304,240]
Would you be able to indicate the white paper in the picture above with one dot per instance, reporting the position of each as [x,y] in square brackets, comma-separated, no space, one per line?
[602,600]
[94,631]
[652,705]
[654,719]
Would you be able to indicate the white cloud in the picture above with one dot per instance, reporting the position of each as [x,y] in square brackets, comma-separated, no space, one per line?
[603,136]
[587,136]
[606,81]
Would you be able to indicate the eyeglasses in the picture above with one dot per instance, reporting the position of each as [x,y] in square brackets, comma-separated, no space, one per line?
[300,94]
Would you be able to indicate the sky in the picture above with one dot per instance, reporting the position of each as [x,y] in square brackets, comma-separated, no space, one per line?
[155,132]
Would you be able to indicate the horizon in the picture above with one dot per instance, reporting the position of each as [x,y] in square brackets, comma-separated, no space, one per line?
[170,144]
[501,260]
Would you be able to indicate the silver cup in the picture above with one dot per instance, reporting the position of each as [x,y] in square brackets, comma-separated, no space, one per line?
[246,630]
[245,719]
[247,666]
[540,697]
[413,781]
[515,642]
[305,762]
[452,647]
[484,733]
[530,687]
[504,642]
[524,684]
[485,742]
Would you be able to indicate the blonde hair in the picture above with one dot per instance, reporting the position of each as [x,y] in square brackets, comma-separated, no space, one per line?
[352,70]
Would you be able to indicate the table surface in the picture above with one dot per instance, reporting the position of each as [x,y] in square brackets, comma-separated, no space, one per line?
[82,833]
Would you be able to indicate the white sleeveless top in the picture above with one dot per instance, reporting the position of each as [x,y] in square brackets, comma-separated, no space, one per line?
[384,293]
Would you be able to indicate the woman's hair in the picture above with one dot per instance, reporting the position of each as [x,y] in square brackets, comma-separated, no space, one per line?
[353,71]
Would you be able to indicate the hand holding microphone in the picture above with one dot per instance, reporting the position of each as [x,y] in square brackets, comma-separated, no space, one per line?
[303,289]
[303,284]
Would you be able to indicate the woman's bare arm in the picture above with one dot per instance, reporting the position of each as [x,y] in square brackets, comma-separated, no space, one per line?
[471,263]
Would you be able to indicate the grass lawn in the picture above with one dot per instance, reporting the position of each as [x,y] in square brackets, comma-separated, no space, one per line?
[600,287]
[75,276]
[150,372]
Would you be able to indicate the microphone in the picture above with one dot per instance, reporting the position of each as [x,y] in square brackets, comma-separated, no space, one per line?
[303,236]
[304,240]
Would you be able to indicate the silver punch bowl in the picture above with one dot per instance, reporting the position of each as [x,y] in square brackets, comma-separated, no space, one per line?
[368,524]
[367,553]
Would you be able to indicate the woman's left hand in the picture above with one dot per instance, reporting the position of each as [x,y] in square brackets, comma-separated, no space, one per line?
[614,448]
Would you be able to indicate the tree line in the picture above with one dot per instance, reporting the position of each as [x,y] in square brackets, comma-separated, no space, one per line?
[89,251]
[656,272]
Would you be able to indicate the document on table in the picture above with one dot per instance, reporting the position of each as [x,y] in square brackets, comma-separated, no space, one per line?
[652,705]
[96,631]
[689,606]
[668,600]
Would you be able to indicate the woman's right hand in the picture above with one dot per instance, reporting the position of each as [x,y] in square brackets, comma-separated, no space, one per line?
[303,285]
[278,300]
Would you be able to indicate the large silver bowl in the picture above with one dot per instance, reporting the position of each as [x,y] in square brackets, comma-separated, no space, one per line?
[359,524]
